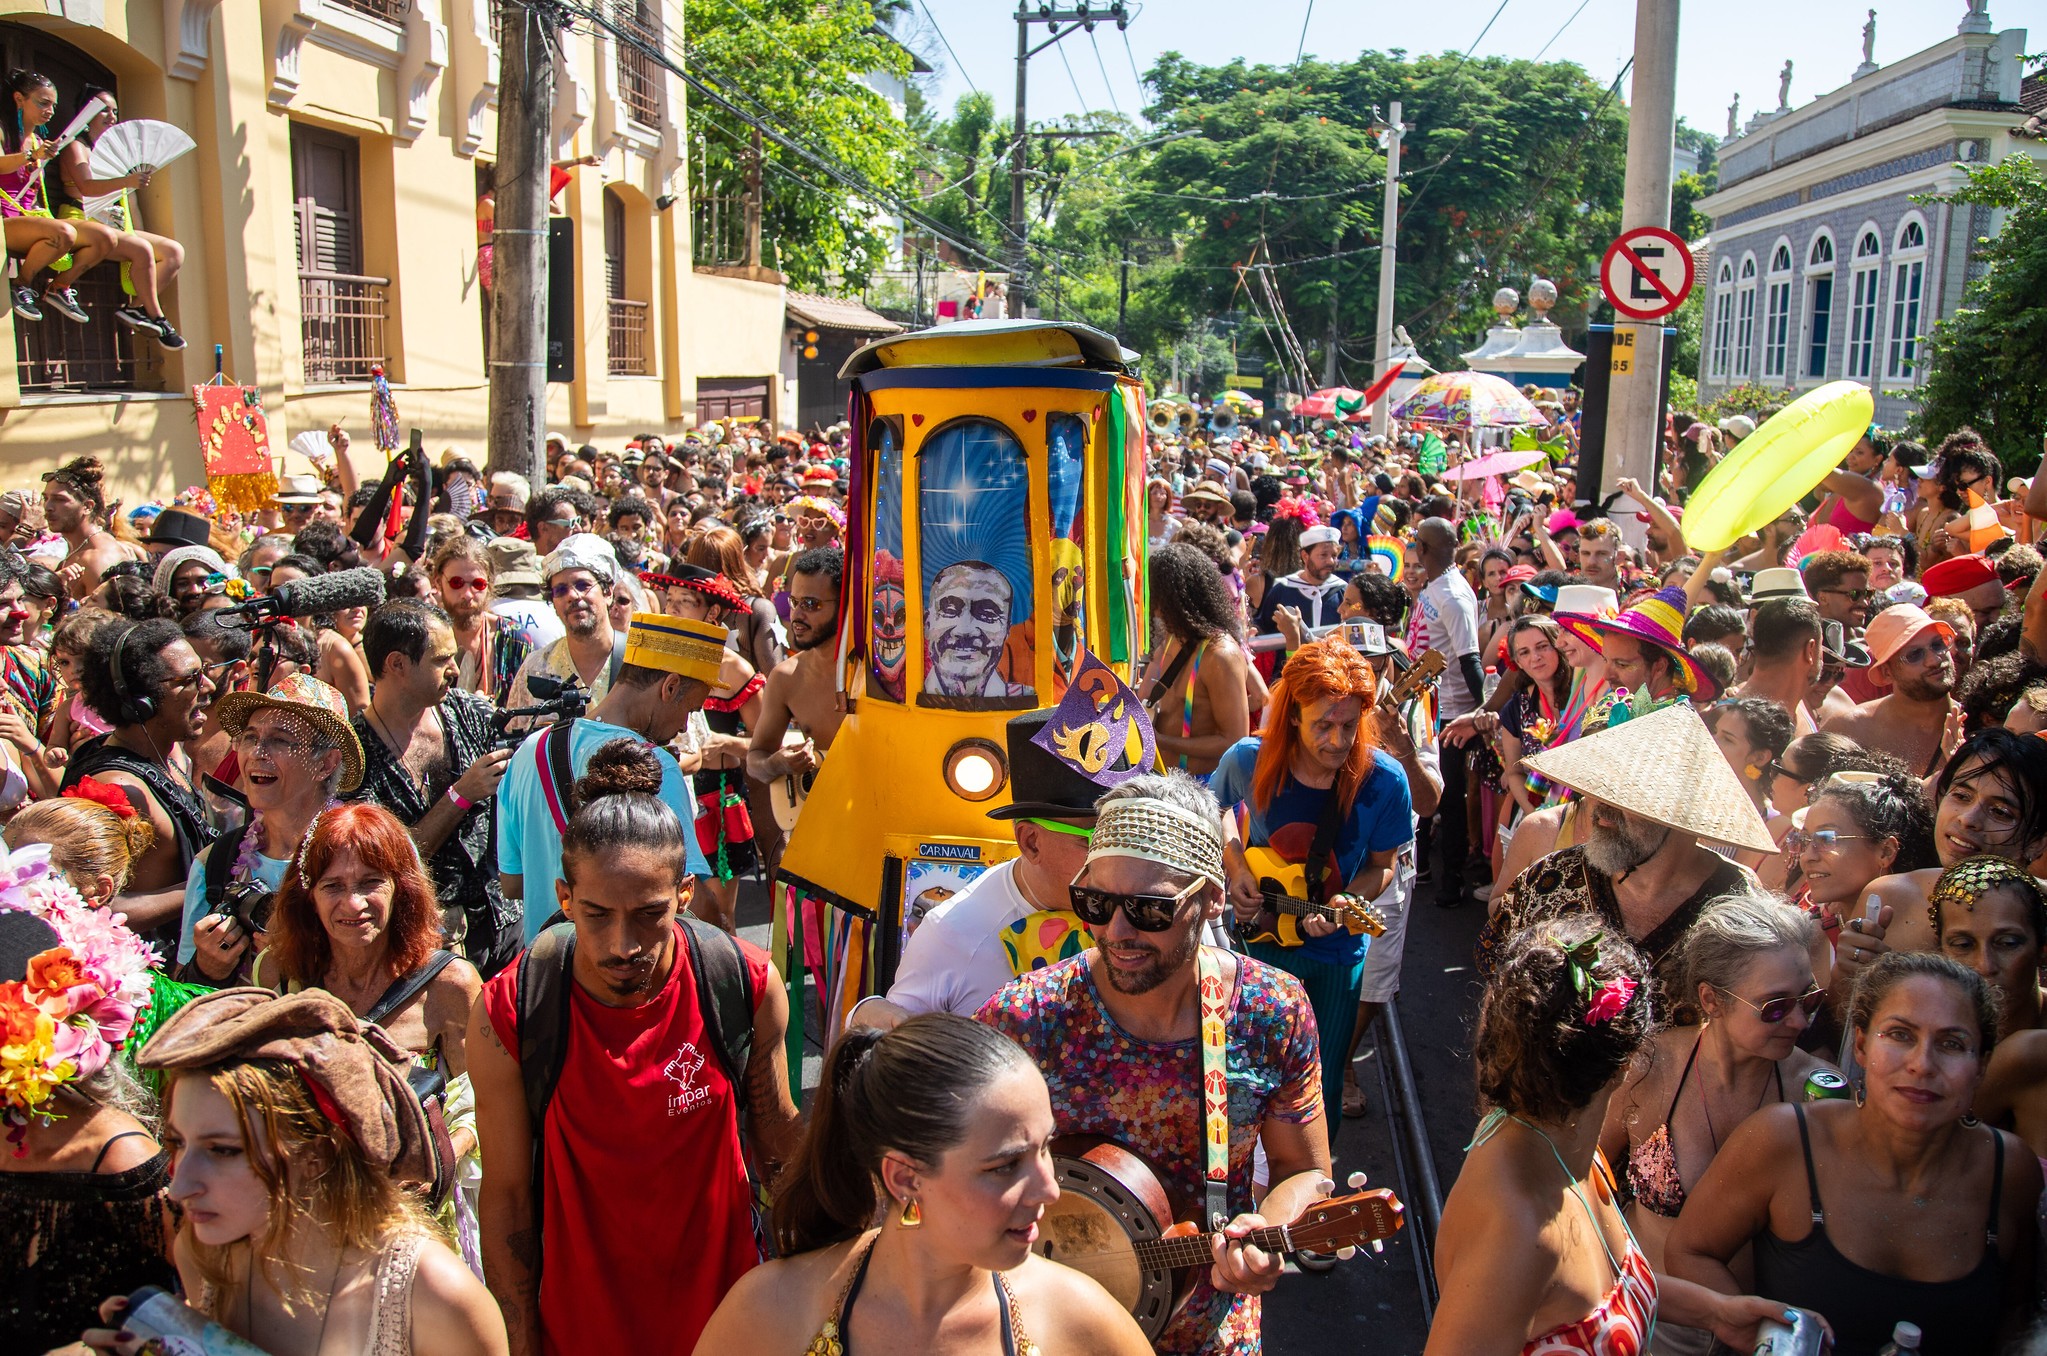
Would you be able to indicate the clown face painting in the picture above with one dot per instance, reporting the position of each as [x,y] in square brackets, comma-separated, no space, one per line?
[891,636]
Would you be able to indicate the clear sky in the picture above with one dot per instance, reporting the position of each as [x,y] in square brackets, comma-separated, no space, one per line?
[1725,47]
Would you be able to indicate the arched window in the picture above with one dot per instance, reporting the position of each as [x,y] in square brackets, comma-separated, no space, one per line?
[1723,318]
[1819,304]
[973,520]
[1777,312]
[1745,318]
[888,649]
[1863,285]
[1908,280]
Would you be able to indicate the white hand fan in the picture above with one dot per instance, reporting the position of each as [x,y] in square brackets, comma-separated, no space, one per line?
[127,147]
[313,446]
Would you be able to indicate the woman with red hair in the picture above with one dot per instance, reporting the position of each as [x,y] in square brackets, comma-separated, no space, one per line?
[1315,790]
[357,916]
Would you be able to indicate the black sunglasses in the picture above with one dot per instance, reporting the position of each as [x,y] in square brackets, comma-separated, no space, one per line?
[1147,913]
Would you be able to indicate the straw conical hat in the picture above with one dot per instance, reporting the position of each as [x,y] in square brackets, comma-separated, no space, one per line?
[1663,766]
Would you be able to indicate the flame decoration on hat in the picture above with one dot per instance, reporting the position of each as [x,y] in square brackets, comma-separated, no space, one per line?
[1100,729]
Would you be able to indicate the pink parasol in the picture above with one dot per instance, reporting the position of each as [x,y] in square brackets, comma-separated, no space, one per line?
[1495,464]
[1467,400]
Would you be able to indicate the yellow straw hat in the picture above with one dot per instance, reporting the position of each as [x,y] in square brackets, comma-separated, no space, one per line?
[693,649]
[1663,766]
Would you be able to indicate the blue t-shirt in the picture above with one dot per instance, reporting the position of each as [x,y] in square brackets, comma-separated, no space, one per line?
[529,845]
[269,870]
[1381,820]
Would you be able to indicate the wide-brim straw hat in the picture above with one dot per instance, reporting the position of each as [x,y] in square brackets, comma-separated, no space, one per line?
[1664,767]
[1657,620]
[312,701]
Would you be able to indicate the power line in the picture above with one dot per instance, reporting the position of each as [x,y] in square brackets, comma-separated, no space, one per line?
[1104,68]
[957,64]
[1124,33]
[1305,18]
[1560,29]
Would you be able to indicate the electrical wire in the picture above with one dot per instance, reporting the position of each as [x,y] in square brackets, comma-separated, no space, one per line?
[1560,29]
[957,64]
[1103,66]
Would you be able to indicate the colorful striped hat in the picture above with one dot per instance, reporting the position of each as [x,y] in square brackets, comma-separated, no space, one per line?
[1657,620]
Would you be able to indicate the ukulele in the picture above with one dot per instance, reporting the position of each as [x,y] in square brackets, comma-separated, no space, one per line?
[786,794]
[1283,885]
[1113,1221]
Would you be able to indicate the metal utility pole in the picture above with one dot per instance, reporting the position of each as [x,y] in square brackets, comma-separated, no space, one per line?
[1634,433]
[1058,23]
[518,334]
[1389,231]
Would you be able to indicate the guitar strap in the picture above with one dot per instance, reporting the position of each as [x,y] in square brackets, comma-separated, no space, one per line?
[1215,1088]
[1324,842]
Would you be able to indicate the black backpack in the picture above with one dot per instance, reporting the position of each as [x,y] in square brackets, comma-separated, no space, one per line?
[725,1000]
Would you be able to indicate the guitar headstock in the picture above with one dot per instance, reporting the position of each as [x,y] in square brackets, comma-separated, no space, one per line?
[1417,676]
[1362,919]
[1347,1221]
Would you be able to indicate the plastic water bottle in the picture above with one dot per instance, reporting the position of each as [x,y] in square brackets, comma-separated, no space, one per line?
[159,1317]
[1904,1341]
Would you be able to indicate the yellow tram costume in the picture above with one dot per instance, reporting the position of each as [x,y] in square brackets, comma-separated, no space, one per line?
[995,532]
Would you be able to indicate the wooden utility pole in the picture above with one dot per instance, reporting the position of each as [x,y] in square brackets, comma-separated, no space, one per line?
[518,347]
[753,203]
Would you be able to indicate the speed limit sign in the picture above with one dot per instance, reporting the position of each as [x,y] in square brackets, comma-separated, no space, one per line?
[1647,273]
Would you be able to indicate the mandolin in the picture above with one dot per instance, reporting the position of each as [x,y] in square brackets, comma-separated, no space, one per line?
[1113,1220]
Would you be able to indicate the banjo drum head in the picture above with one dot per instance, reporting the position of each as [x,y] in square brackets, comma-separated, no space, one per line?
[1093,1227]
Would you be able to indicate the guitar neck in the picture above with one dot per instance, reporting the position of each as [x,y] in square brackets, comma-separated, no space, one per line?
[1297,908]
[1190,1250]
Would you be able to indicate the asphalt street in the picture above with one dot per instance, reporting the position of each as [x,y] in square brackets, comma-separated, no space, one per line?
[1373,1301]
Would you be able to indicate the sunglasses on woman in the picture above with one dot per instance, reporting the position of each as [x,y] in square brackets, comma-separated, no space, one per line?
[1777,1009]
[1147,913]
[1826,840]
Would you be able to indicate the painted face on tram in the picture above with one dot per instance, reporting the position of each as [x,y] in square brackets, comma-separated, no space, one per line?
[891,634]
[1066,582]
[965,625]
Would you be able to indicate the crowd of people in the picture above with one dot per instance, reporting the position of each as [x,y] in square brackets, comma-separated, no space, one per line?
[370,980]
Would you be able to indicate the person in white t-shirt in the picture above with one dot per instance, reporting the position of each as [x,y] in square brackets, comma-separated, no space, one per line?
[1450,621]
[1013,917]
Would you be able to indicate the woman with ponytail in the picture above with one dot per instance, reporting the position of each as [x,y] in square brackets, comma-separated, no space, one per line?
[25,215]
[940,1128]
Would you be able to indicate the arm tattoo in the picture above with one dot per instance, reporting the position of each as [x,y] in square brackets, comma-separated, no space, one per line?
[524,1245]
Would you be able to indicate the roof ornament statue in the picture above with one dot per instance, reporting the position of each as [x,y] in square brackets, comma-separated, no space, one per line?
[1784,89]
[1734,118]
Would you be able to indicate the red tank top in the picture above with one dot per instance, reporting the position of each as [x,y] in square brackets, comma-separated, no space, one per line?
[647,1218]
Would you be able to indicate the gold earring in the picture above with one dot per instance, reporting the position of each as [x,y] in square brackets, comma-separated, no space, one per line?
[912,1215]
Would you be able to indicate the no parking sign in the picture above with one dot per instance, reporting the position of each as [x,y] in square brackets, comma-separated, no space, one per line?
[1647,273]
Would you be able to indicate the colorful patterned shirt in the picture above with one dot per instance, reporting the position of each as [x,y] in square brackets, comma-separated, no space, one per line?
[1147,1097]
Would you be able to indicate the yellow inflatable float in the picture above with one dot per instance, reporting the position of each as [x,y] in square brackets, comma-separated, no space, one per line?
[1777,465]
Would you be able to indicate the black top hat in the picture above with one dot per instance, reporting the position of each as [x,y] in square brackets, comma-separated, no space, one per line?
[179,527]
[1041,786]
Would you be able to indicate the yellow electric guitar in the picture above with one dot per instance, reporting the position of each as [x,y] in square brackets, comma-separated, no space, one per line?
[1284,887]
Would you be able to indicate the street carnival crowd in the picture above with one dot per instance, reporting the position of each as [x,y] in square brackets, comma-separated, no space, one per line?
[360,1013]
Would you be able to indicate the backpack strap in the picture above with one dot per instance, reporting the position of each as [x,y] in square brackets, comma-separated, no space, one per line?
[407,987]
[557,775]
[725,997]
[617,660]
[543,1007]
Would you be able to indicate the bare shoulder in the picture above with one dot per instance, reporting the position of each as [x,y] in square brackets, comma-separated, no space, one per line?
[452,1313]
[452,994]
[1854,721]
[780,1305]
[1066,1311]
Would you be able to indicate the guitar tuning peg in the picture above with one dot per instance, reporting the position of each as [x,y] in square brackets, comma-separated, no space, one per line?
[1345,1254]
[1355,1180]
[1378,1245]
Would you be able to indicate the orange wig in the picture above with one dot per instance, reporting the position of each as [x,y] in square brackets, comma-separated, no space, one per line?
[1328,670]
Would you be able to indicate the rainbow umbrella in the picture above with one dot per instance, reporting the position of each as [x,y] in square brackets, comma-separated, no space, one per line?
[1466,400]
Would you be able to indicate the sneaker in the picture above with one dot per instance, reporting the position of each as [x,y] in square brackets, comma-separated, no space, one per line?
[25,304]
[64,301]
[165,334]
[134,317]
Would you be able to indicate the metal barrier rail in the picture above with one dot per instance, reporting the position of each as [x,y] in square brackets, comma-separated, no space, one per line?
[1414,1162]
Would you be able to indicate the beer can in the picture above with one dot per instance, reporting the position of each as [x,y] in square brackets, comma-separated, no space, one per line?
[1822,1084]
[1801,1334]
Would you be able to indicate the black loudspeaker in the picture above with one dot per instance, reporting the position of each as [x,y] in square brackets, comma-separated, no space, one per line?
[561,299]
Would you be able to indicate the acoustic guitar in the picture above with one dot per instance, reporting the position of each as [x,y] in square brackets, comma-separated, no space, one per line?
[1114,1221]
[787,793]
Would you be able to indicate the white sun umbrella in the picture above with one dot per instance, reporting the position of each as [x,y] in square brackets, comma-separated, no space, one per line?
[129,147]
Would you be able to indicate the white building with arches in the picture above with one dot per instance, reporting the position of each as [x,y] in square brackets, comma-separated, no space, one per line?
[1822,265]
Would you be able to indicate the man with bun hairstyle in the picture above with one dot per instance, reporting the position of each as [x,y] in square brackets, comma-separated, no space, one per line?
[75,508]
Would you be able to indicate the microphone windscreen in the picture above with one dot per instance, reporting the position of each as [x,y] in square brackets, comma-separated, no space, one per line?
[320,594]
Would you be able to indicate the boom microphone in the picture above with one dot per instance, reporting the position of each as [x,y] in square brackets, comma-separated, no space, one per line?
[315,595]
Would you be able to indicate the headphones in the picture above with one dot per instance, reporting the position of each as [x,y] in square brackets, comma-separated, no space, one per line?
[135,710]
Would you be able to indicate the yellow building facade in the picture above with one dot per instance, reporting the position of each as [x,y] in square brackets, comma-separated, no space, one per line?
[328,216]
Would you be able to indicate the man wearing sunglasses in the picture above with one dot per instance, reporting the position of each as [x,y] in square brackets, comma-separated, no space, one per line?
[984,936]
[577,577]
[1838,583]
[1119,1030]
[491,647]
[1914,656]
